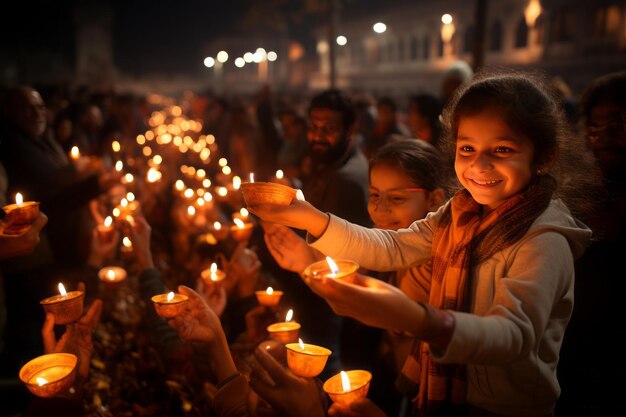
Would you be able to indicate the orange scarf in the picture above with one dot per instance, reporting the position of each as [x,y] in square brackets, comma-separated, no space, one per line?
[462,240]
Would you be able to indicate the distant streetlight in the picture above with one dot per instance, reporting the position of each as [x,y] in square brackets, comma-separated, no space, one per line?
[272,56]
[240,62]
[248,57]
[209,62]
[447,31]
[342,40]
[532,12]
[379,27]
[222,56]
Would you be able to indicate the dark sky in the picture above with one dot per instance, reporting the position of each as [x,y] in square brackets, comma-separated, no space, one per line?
[156,36]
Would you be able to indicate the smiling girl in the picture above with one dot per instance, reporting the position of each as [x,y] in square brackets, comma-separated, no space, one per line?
[502,250]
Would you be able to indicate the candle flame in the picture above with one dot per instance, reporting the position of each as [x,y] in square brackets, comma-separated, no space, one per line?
[244,212]
[332,265]
[115,145]
[19,199]
[129,178]
[108,221]
[41,381]
[124,202]
[179,185]
[110,275]
[300,195]
[279,174]
[217,225]
[75,153]
[153,175]
[208,197]
[118,166]
[301,343]
[269,290]
[130,220]
[236,182]
[62,290]
[130,196]
[252,177]
[191,210]
[289,315]
[126,242]
[240,224]
[213,268]
[116,212]
[222,191]
[189,193]
[226,170]
[345,381]
[170,296]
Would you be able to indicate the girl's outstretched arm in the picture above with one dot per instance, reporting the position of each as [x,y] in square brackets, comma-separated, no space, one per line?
[299,214]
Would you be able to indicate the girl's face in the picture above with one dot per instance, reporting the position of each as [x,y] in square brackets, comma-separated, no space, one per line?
[492,161]
[395,201]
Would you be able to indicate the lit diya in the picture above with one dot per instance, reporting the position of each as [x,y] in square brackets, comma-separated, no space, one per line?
[286,331]
[306,360]
[267,193]
[112,274]
[340,269]
[241,230]
[269,297]
[346,387]
[67,307]
[213,274]
[48,375]
[169,305]
[22,214]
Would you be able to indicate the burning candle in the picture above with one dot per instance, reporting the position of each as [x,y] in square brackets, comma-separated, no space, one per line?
[22,214]
[267,193]
[287,331]
[306,360]
[66,307]
[74,153]
[153,175]
[48,375]
[218,231]
[346,387]
[241,230]
[213,274]
[269,297]
[106,229]
[340,269]
[127,245]
[112,274]
[169,305]
[236,182]
[119,165]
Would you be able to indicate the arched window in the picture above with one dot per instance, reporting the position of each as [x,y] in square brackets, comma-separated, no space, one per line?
[468,39]
[426,48]
[414,48]
[607,20]
[495,36]
[521,35]
[563,26]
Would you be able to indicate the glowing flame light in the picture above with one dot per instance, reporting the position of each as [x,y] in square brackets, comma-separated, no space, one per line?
[126,242]
[213,271]
[110,275]
[333,266]
[279,174]
[269,290]
[170,296]
[240,224]
[19,199]
[301,343]
[345,381]
[191,210]
[179,185]
[62,290]
[217,225]
[244,212]
[289,315]
[153,175]
[41,381]
[75,153]
[119,165]
[236,182]
[108,221]
[252,177]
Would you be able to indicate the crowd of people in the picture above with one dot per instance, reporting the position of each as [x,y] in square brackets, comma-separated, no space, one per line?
[487,223]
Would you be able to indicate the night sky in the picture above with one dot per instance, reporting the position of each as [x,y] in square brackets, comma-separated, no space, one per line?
[152,37]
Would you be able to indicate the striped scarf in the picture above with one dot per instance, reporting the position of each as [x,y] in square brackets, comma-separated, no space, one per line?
[462,240]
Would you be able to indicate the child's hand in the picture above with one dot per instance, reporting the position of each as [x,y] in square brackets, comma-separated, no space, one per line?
[140,234]
[101,249]
[362,407]
[198,322]
[23,244]
[299,214]
[288,394]
[290,251]
[371,301]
